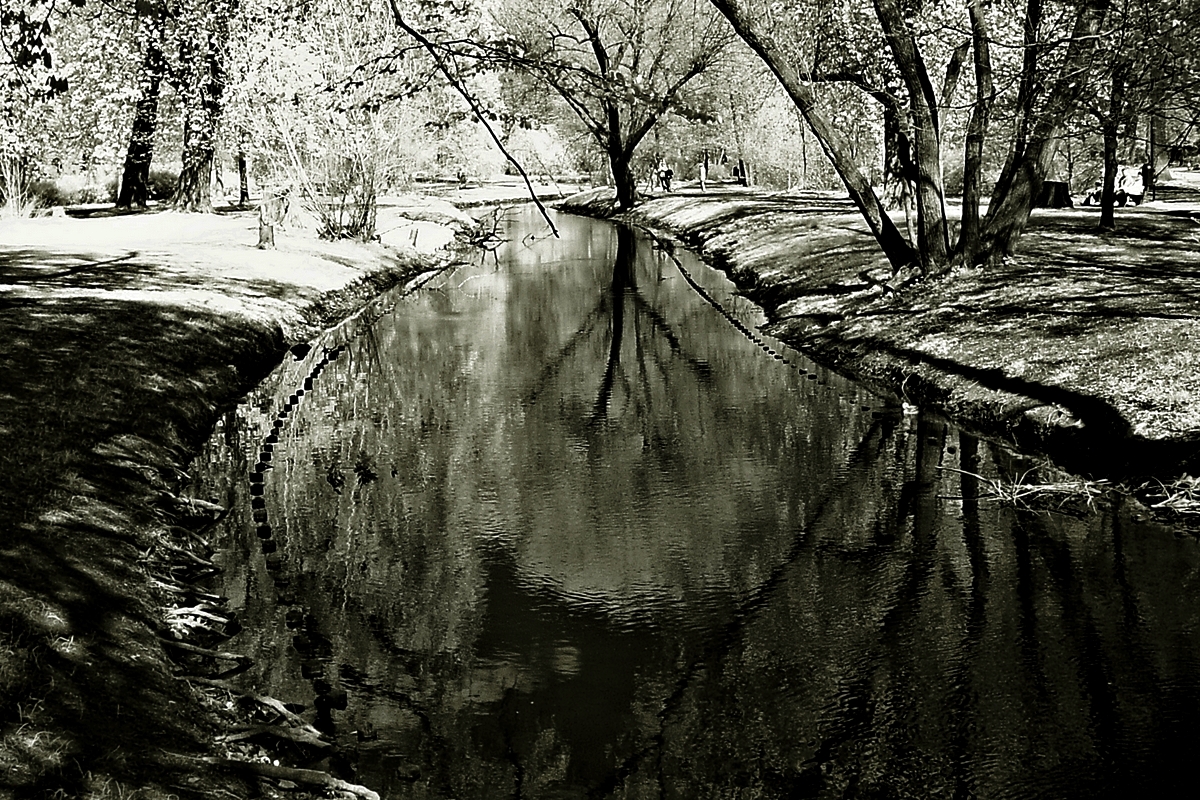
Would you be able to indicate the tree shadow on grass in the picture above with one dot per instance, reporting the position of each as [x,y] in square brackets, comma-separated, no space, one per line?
[791,213]
[1084,294]
[49,270]
[103,400]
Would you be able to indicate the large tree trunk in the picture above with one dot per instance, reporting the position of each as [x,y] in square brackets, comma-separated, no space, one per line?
[194,190]
[898,191]
[1108,194]
[933,239]
[620,157]
[1156,152]
[203,55]
[895,158]
[977,126]
[893,243]
[135,177]
[1012,203]
[624,181]
[1026,96]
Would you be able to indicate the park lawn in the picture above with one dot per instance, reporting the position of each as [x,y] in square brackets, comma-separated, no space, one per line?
[125,337]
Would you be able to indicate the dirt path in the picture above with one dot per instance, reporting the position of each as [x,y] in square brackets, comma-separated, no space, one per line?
[123,338]
[1082,346]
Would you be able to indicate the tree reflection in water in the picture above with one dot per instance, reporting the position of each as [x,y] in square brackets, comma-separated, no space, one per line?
[591,543]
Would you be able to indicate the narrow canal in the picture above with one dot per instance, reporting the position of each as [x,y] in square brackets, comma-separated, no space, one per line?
[554,527]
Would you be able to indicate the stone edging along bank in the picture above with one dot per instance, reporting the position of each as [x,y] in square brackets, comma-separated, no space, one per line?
[782,264]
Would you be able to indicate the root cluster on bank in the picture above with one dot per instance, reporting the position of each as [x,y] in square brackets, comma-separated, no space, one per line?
[195,624]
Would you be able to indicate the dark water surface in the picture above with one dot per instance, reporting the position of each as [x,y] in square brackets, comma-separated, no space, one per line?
[554,528]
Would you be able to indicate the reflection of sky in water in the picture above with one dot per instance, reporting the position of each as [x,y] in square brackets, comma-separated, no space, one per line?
[606,424]
[558,527]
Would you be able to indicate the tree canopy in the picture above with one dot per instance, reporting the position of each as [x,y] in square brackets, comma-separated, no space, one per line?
[913,103]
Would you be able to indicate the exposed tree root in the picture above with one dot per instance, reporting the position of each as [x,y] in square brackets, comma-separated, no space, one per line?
[304,777]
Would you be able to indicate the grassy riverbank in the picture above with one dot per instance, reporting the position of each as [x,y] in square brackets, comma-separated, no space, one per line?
[1082,346]
[125,337]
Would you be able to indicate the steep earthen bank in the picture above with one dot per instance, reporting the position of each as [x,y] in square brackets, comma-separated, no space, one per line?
[124,346]
[1077,348]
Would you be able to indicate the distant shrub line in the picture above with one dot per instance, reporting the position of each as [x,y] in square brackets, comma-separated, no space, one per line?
[48,192]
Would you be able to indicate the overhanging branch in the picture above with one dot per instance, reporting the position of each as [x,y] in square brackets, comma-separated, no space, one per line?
[476,109]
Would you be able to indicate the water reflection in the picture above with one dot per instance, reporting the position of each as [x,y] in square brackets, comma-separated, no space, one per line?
[555,529]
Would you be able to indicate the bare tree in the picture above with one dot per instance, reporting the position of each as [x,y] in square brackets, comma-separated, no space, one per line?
[1055,66]
[619,65]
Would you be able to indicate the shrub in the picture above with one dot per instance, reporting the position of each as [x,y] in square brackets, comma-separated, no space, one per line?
[68,190]
[47,194]
[15,198]
[162,184]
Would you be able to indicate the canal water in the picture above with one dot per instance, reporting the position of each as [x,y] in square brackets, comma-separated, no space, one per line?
[555,526]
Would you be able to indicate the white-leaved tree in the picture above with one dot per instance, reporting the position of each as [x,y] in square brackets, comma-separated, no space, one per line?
[619,65]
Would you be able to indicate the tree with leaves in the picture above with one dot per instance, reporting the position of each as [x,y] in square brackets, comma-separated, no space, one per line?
[203,48]
[28,60]
[1149,66]
[30,74]
[69,118]
[151,37]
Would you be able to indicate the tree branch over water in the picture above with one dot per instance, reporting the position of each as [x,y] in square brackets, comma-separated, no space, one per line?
[476,109]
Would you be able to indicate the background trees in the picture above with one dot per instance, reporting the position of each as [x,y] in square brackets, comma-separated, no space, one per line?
[619,65]
[61,94]
[1056,56]
[311,110]
[150,39]
[1147,73]
[909,102]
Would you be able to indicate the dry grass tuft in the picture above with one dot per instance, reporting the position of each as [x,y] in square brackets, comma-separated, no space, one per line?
[1180,496]
[1040,487]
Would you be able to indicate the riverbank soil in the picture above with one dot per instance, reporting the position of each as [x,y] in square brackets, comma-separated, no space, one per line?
[1082,346]
[124,337]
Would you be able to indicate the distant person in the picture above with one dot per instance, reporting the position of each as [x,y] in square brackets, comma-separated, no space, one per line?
[1093,197]
[1148,180]
[661,172]
[703,171]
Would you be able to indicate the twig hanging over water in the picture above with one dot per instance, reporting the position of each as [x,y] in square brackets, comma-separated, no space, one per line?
[461,88]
